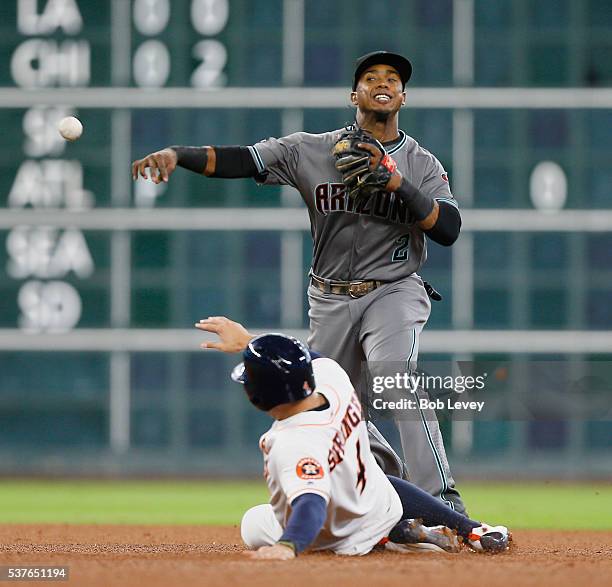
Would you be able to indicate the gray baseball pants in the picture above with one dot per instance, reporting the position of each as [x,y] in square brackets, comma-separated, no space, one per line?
[382,327]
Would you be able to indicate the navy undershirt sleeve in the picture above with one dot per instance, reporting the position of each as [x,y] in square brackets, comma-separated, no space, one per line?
[446,229]
[308,514]
[416,503]
[234,162]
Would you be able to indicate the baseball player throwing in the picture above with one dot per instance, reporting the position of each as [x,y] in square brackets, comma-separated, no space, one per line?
[373,195]
[327,491]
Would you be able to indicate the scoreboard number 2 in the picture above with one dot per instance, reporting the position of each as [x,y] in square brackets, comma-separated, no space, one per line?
[152,62]
[213,57]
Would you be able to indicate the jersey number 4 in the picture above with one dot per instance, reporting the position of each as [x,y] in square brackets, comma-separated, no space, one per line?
[401,252]
[361,476]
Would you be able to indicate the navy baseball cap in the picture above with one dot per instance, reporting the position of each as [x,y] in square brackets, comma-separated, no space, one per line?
[401,64]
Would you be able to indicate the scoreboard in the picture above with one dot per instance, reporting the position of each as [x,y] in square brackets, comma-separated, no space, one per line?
[197,43]
[61,280]
[102,278]
[55,279]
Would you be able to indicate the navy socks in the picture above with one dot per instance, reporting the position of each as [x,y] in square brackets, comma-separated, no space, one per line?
[434,512]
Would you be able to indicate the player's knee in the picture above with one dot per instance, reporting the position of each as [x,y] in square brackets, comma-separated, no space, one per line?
[259,527]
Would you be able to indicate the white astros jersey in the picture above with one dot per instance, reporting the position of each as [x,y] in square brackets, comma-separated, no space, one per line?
[327,452]
[371,238]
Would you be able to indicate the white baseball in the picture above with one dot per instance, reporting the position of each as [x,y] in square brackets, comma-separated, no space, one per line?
[70,128]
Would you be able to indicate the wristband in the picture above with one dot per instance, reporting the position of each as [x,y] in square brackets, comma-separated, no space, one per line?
[192,158]
[416,201]
[389,164]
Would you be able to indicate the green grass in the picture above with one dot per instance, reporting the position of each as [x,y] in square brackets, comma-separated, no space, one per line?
[129,502]
[541,505]
[528,505]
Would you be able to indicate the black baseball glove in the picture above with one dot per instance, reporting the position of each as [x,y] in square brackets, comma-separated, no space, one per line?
[365,170]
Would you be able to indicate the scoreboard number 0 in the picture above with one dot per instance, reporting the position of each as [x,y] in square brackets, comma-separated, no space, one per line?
[151,64]
[209,17]
[151,16]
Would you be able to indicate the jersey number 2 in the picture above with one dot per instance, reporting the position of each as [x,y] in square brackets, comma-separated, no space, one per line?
[400,253]
[361,477]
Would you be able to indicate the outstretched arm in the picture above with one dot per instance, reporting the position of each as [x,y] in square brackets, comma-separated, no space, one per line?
[233,336]
[225,162]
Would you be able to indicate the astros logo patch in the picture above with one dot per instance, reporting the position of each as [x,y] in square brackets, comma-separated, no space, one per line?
[444,176]
[309,468]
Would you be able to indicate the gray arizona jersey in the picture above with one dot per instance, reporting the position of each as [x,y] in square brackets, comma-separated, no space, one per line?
[373,238]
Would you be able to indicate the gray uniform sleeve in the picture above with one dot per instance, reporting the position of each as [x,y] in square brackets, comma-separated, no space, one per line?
[277,160]
[435,181]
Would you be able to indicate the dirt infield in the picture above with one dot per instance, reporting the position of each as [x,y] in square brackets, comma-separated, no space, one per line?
[210,556]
